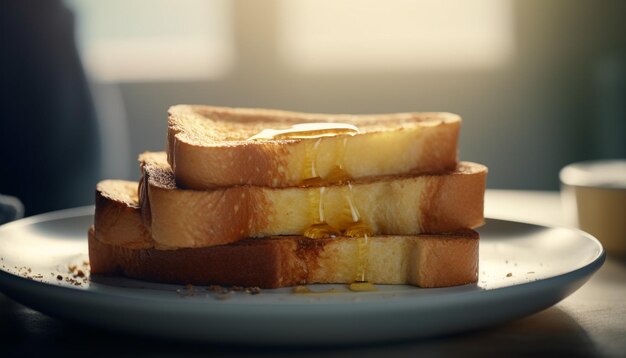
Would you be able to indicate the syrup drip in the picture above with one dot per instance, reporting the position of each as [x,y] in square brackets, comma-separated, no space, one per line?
[362,287]
[335,176]
[364,248]
[313,161]
[303,290]
[353,225]
[361,232]
[321,229]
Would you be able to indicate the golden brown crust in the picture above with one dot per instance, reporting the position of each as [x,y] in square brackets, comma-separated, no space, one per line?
[207,146]
[225,215]
[451,200]
[243,264]
[393,205]
[425,260]
[446,261]
[238,124]
[117,216]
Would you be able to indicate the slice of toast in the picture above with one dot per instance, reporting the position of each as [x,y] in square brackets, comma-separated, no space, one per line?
[394,205]
[438,260]
[121,244]
[210,147]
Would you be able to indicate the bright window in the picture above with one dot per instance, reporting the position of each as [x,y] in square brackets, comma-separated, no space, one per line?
[128,40]
[345,35]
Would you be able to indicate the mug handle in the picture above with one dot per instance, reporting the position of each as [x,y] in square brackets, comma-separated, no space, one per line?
[11,208]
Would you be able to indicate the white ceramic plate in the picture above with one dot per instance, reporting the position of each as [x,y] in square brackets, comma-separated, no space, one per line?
[523,269]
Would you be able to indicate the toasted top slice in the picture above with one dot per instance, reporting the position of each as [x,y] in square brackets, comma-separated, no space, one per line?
[210,147]
[396,205]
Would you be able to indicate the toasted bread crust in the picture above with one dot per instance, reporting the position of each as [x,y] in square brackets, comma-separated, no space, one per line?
[117,217]
[398,205]
[208,146]
[424,260]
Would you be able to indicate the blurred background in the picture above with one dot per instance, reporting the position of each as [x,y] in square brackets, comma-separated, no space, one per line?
[539,84]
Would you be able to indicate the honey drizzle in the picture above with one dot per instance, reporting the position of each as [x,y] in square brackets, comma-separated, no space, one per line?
[361,232]
[314,160]
[321,205]
[316,199]
[340,158]
[321,229]
[362,287]
[303,290]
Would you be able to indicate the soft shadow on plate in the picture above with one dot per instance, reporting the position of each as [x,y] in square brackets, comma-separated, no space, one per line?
[72,227]
[508,229]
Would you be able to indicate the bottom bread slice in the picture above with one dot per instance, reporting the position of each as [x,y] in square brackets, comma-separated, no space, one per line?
[423,260]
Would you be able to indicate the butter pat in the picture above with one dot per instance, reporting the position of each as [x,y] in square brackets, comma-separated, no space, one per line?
[307,130]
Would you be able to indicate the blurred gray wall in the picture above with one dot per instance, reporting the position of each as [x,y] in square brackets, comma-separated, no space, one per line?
[562,99]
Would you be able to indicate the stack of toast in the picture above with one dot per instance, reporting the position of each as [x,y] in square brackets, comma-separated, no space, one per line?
[268,198]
